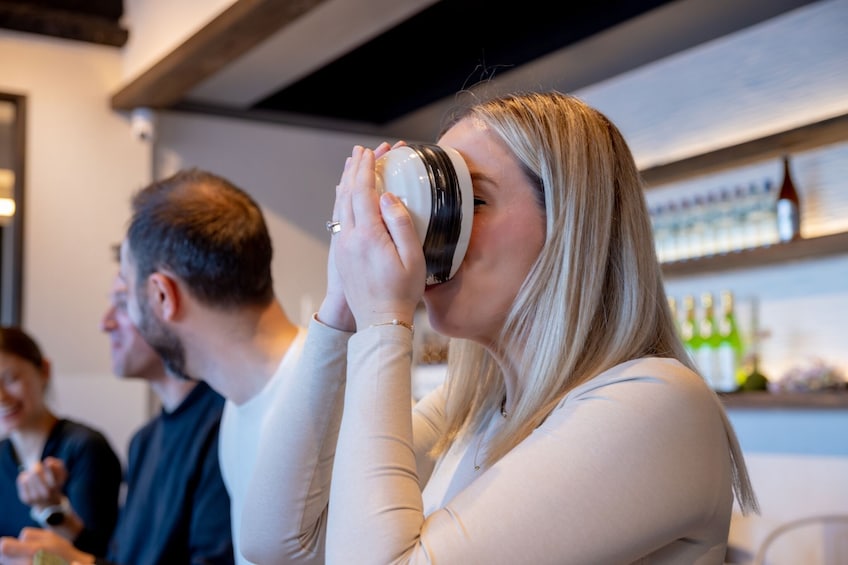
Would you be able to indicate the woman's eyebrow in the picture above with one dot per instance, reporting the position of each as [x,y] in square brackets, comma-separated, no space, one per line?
[477,176]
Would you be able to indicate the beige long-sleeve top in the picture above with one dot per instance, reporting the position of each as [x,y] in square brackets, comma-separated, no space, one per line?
[633,465]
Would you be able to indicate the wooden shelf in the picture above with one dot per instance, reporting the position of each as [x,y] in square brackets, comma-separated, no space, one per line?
[810,136]
[817,134]
[763,400]
[805,137]
[802,249]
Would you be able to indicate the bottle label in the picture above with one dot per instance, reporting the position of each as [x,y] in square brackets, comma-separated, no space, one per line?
[725,381]
[788,222]
[706,360]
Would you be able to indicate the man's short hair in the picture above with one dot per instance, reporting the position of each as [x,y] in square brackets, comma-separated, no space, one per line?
[206,231]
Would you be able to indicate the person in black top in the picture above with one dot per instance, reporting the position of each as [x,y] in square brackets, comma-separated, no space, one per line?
[177,510]
[175,457]
[54,473]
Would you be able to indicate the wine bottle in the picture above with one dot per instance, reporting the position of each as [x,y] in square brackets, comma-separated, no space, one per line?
[689,328]
[675,315]
[766,215]
[729,346]
[663,233]
[753,378]
[707,353]
[788,207]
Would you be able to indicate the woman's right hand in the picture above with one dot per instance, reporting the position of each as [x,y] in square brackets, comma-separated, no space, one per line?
[334,310]
[377,252]
[41,485]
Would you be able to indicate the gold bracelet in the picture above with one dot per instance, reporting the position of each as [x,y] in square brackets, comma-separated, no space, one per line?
[396,322]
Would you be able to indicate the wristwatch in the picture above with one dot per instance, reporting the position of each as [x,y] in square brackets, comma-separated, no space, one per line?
[52,515]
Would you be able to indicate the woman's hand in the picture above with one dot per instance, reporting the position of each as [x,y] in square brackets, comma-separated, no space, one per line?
[41,485]
[377,253]
[334,310]
[22,550]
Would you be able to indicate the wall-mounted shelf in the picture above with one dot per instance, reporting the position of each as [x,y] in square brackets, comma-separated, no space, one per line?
[810,136]
[757,400]
[802,249]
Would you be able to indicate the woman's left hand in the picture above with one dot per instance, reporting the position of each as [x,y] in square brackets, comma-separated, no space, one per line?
[377,252]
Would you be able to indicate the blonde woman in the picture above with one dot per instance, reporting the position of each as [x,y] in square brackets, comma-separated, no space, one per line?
[572,427]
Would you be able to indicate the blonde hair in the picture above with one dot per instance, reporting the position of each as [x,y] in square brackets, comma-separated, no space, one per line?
[594,297]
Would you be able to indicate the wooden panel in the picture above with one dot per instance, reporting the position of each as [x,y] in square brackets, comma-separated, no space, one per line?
[71,23]
[805,137]
[775,254]
[235,31]
[837,399]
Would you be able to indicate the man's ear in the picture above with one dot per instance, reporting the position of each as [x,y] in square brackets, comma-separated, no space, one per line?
[164,294]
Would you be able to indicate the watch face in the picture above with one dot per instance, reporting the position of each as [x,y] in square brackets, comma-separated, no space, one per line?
[55,518]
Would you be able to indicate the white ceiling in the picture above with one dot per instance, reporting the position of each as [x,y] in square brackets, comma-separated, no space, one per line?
[335,27]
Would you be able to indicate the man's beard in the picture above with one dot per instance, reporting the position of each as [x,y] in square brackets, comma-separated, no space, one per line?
[164,342]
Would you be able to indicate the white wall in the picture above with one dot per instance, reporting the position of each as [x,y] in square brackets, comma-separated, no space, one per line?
[81,167]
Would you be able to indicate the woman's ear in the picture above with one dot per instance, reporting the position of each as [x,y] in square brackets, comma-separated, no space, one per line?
[46,369]
[164,295]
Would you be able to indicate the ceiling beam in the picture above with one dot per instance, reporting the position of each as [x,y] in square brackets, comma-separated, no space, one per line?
[63,23]
[231,34]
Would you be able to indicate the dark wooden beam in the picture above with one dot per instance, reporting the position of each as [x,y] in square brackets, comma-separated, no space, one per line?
[65,24]
[797,139]
[109,9]
[778,253]
[234,32]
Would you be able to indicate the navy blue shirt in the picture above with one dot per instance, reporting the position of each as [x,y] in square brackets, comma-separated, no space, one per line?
[93,485]
[177,509]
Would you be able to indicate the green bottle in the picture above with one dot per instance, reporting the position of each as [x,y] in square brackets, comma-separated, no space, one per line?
[707,354]
[730,350]
[689,328]
[672,306]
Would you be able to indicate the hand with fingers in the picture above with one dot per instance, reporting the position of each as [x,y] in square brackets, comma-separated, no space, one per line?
[33,541]
[357,174]
[376,255]
[41,485]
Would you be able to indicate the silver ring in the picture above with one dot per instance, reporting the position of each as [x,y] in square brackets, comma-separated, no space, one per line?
[333,226]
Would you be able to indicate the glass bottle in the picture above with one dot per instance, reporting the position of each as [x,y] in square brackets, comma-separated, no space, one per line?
[707,353]
[788,207]
[730,348]
[686,248]
[672,250]
[689,327]
[752,378]
[675,316]
[723,223]
[700,242]
[663,234]
[752,216]
[766,217]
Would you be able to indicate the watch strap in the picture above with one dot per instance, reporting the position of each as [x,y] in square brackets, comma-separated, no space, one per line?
[52,515]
